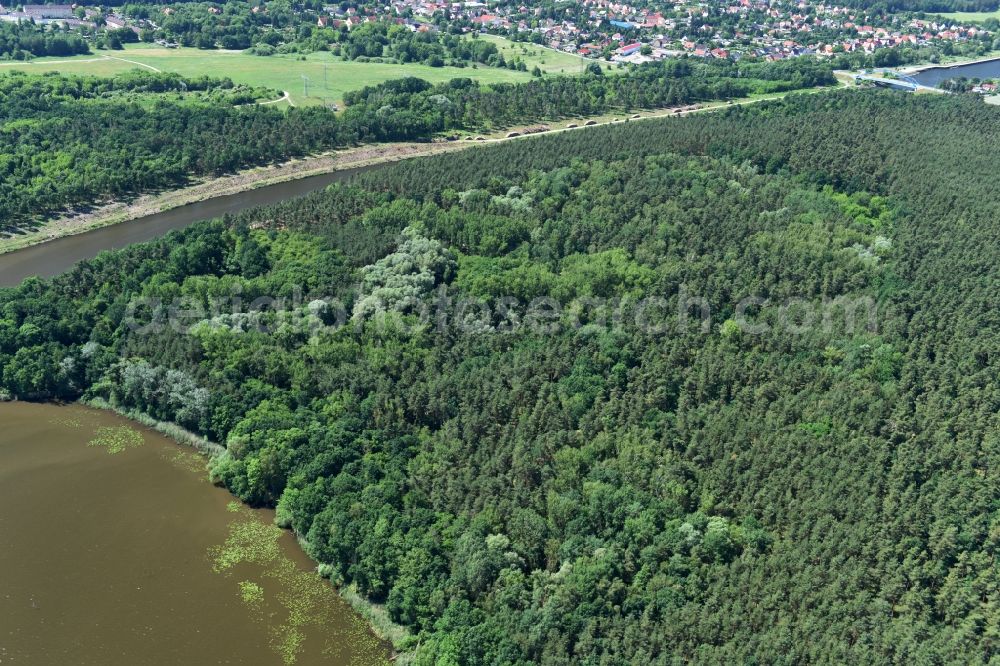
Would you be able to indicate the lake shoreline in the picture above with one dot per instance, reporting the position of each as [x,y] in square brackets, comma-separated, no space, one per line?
[375,616]
[126,552]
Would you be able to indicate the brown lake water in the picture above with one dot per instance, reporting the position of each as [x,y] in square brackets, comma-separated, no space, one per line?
[115,549]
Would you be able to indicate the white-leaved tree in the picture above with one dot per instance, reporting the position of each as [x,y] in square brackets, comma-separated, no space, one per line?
[164,393]
[397,283]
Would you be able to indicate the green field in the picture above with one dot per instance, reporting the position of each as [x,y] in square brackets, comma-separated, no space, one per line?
[329,79]
[971,17]
[546,59]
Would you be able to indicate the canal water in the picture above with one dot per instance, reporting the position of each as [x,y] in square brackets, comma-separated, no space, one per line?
[59,255]
[933,76]
[115,549]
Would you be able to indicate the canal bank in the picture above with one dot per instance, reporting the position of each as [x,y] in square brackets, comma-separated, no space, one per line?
[248,180]
[59,248]
[932,75]
[52,257]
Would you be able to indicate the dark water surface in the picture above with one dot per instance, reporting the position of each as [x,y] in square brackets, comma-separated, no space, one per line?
[59,255]
[980,70]
[115,549]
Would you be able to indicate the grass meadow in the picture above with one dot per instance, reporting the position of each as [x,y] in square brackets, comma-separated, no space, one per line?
[329,78]
[970,17]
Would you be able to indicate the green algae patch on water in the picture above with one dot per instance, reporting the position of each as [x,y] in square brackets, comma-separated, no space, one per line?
[76,420]
[190,461]
[117,439]
[67,423]
[251,592]
[295,604]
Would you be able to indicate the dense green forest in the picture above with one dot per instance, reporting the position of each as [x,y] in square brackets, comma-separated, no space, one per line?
[892,6]
[228,25]
[272,28]
[68,141]
[21,41]
[460,103]
[572,485]
[384,40]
